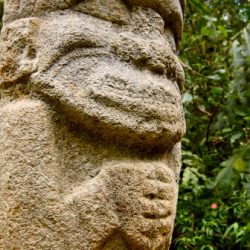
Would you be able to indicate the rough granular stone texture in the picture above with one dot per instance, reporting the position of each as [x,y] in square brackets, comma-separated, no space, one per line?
[91,120]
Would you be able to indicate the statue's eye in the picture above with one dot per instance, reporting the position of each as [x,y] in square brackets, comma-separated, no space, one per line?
[171,39]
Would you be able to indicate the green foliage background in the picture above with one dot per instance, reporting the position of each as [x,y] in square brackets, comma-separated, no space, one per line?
[214,204]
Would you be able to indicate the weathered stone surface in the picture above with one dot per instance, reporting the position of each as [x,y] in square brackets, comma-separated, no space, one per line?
[90,123]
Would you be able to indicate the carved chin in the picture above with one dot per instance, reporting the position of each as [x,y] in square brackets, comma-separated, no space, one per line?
[117,101]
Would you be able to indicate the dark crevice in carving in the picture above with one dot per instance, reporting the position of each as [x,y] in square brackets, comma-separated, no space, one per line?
[155,216]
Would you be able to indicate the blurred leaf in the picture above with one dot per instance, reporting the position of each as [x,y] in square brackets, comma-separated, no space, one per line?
[224,177]
[239,164]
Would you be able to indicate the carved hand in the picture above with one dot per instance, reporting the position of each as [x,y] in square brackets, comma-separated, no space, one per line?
[144,196]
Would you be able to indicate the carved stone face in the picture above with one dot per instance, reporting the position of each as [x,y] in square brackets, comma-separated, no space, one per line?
[112,67]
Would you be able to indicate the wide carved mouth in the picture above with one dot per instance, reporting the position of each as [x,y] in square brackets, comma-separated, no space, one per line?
[114,82]
[139,93]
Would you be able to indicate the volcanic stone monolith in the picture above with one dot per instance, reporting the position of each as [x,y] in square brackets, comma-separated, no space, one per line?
[91,120]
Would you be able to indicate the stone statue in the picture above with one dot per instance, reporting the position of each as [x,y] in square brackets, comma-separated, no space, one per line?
[91,120]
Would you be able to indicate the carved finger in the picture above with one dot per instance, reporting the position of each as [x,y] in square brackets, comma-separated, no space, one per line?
[154,189]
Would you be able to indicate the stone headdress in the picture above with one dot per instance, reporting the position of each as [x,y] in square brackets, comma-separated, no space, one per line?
[16,9]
